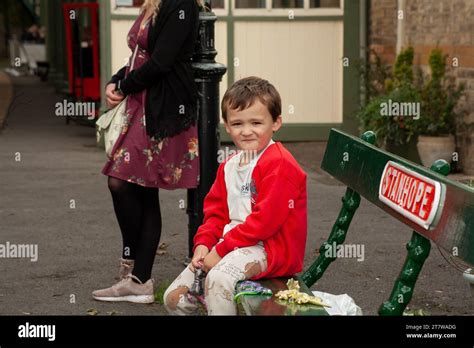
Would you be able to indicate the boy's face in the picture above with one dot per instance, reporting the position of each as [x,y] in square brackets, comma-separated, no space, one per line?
[251,129]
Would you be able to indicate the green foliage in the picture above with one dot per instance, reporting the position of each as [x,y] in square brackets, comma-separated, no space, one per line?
[398,86]
[373,75]
[437,97]
[403,69]
[395,129]
[160,291]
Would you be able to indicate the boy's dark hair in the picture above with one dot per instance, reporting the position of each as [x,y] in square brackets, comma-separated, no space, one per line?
[243,93]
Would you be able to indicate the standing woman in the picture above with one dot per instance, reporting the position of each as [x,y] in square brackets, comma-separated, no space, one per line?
[158,146]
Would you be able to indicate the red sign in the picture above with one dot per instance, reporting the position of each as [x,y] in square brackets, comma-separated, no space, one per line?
[413,195]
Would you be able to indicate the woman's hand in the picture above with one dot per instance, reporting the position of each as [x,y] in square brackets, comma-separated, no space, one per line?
[211,260]
[113,99]
[199,254]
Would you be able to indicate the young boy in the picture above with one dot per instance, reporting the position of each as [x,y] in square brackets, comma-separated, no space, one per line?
[255,212]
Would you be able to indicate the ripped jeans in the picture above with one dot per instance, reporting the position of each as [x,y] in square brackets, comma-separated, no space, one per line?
[240,264]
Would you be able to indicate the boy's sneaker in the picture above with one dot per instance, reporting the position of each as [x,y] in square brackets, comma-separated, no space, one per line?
[126,268]
[127,290]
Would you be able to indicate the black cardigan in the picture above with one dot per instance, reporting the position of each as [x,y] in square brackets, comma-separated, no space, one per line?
[168,77]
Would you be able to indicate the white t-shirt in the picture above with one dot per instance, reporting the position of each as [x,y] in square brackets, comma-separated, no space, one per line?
[237,182]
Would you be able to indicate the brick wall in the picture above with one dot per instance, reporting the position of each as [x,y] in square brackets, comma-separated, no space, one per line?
[448,24]
[383,28]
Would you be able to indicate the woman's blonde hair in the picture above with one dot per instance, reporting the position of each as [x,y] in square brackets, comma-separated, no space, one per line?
[151,3]
[155,4]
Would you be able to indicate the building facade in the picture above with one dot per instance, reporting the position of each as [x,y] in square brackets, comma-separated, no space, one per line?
[304,47]
[308,48]
[298,45]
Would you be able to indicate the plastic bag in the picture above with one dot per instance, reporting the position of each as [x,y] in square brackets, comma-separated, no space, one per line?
[340,304]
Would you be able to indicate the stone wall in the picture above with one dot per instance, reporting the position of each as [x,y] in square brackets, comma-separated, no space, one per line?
[447,24]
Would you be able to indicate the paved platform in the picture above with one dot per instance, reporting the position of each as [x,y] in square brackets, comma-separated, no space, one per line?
[78,249]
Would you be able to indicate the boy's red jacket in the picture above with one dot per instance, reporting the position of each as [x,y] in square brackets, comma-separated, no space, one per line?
[278,217]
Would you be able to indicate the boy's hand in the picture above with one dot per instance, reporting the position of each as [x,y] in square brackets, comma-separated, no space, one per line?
[211,260]
[199,254]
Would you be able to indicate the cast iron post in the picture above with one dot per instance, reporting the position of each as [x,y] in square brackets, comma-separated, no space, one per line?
[208,75]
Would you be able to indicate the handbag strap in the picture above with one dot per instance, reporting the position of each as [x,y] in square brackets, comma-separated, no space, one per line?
[133,57]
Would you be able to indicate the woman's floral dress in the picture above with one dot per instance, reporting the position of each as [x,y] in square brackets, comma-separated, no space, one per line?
[169,164]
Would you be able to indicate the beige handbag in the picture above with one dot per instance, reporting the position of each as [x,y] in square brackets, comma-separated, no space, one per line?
[109,125]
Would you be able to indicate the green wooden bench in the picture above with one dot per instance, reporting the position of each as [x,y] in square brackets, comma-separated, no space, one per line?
[437,209]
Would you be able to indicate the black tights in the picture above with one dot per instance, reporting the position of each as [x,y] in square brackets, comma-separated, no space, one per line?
[139,217]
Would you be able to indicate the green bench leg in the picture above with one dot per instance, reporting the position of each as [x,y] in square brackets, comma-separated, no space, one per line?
[418,250]
[350,203]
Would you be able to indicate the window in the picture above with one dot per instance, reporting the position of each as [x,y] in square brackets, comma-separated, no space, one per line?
[250,4]
[324,3]
[129,3]
[288,3]
[132,7]
[248,7]
[281,7]
[139,3]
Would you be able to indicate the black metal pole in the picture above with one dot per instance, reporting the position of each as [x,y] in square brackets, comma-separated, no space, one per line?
[208,75]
